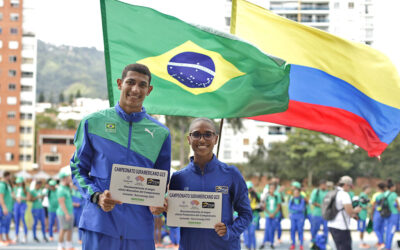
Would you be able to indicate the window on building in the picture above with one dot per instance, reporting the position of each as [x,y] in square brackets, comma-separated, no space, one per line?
[336,5]
[366,9]
[274,130]
[1,16]
[1,42]
[228,21]
[12,72]
[52,159]
[1,30]
[29,103]
[13,31]
[10,142]
[9,156]
[28,46]
[26,88]
[11,100]
[26,116]
[25,130]
[27,60]
[13,44]
[1,3]
[292,17]
[14,16]
[25,157]
[54,141]
[11,129]
[1,58]
[26,74]
[11,114]
[12,59]
[227,155]
[246,141]
[351,5]
[245,154]
[14,3]
[306,18]
[71,141]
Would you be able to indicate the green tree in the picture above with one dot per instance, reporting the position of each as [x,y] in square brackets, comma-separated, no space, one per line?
[71,98]
[70,124]
[178,126]
[61,98]
[45,121]
[41,97]
[78,93]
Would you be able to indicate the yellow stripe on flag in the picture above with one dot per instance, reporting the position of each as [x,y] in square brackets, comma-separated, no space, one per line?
[367,69]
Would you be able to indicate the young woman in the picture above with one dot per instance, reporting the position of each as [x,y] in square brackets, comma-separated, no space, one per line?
[377,220]
[38,210]
[20,196]
[206,173]
[297,207]
[52,208]
[6,206]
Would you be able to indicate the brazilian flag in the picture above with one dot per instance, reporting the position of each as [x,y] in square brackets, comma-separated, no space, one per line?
[195,71]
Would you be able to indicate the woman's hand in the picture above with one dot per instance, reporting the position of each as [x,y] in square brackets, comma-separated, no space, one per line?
[220,228]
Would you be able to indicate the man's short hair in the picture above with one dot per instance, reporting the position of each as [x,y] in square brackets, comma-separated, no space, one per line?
[346,180]
[6,173]
[137,67]
[381,185]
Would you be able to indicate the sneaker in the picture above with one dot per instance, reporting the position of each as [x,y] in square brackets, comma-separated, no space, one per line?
[301,248]
[24,239]
[60,248]
[262,246]
[51,238]
[45,239]
[272,246]
[364,246]
[292,247]
[36,239]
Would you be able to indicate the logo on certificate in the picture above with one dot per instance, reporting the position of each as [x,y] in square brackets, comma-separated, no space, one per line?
[222,189]
[153,182]
[195,204]
[207,204]
[139,180]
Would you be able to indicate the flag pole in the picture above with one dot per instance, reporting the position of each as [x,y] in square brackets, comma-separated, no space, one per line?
[220,135]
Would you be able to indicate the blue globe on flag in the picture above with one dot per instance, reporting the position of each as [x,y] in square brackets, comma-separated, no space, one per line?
[192,69]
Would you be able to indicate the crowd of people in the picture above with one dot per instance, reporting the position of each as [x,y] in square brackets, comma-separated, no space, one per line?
[54,204]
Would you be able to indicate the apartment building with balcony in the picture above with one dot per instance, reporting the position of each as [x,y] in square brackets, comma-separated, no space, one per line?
[17,84]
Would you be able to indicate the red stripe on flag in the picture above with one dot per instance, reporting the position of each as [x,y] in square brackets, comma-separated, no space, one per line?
[329,120]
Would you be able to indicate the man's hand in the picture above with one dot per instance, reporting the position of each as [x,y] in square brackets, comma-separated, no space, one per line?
[5,211]
[220,228]
[271,216]
[106,203]
[357,209]
[159,210]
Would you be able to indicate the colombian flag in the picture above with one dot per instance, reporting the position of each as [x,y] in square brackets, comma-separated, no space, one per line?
[195,71]
[336,86]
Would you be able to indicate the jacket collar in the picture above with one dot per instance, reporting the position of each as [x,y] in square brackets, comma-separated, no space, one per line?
[133,117]
[209,167]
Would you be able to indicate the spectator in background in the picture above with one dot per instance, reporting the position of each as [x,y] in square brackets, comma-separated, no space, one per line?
[391,221]
[361,223]
[38,210]
[377,220]
[77,202]
[316,199]
[297,207]
[20,196]
[6,205]
[65,212]
[272,204]
[339,226]
[52,209]
[250,232]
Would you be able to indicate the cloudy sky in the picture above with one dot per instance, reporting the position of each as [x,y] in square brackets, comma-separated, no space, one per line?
[78,22]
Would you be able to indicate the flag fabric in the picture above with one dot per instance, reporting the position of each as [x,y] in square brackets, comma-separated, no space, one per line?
[336,86]
[195,71]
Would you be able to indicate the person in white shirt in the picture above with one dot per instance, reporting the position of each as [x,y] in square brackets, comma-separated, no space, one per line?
[339,226]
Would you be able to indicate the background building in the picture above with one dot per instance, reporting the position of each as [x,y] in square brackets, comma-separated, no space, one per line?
[17,84]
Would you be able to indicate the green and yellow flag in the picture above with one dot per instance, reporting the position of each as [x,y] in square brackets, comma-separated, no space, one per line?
[195,71]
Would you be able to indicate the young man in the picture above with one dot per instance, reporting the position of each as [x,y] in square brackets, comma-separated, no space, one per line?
[6,205]
[316,199]
[377,220]
[124,134]
[339,226]
[21,196]
[65,212]
[297,207]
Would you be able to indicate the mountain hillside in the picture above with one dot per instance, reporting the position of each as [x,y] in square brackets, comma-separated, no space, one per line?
[67,70]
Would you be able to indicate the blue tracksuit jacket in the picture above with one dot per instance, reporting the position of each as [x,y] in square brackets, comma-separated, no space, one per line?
[112,136]
[216,177]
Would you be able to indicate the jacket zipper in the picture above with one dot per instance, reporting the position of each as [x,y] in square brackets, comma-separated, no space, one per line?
[129,139]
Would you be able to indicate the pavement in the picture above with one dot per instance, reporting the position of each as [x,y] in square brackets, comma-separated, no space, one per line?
[369,239]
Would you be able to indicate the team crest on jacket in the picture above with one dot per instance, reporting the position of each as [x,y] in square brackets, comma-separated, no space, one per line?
[111,127]
[222,189]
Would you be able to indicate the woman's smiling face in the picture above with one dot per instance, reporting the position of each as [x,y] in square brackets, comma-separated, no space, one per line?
[202,138]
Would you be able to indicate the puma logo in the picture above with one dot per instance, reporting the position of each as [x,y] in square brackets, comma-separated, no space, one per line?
[148,131]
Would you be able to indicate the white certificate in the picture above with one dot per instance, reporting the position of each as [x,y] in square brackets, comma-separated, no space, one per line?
[194,209]
[138,185]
